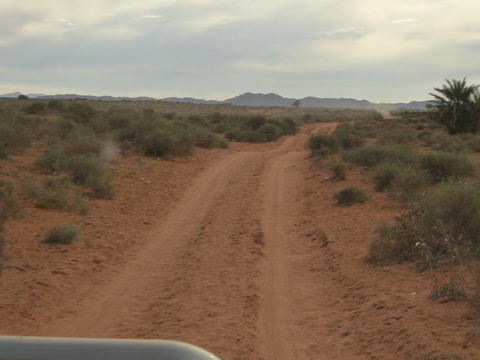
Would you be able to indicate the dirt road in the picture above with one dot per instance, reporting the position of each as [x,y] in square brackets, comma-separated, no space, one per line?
[254,261]
[217,272]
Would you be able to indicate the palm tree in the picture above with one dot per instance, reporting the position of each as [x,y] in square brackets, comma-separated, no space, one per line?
[457,105]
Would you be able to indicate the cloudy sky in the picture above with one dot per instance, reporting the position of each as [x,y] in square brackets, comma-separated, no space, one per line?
[379,50]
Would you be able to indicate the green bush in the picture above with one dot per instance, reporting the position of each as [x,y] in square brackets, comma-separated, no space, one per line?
[323,144]
[56,105]
[54,193]
[442,229]
[88,170]
[350,136]
[370,156]
[349,195]
[250,136]
[81,113]
[447,143]
[412,182]
[169,141]
[397,137]
[206,139]
[288,126]
[472,142]
[442,166]
[64,128]
[270,132]
[101,186]
[82,167]
[36,108]
[386,176]
[83,144]
[62,234]
[339,170]
[14,137]
[254,122]
[3,151]
[457,207]
[120,119]
[53,159]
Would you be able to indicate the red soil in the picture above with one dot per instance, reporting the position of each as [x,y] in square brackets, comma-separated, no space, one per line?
[243,252]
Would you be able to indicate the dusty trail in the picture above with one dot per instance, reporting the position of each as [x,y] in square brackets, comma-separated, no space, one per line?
[225,270]
[280,336]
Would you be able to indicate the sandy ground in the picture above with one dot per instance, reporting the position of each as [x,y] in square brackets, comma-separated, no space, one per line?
[242,251]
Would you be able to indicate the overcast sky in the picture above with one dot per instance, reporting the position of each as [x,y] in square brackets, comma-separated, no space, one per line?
[378,50]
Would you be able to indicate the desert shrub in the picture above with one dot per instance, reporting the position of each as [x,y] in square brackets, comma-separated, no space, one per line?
[370,156]
[54,193]
[457,207]
[254,122]
[62,234]
[168,141]
[216,117]
[323,144]
[386,176]
[349,195]
[82,142]
[170,115]
[397,137]
[14,137]
[101,186]
[452,289]
[339,170]
[56,105]
[120,119]
[3,151]
[197,120]
[447,143]
[441,230]
[442,166]
[250,136]
[426,136]
[53,159]
[82,167]
[36,108]
[81,113]
[471,141]
[270,132]
[411,183]
[350,136]
[64,127]
[207,139]
[288,126]
[233,135]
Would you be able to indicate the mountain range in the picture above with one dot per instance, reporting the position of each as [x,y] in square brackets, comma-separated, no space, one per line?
[250,99]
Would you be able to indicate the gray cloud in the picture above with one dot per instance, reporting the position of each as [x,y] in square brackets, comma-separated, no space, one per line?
[372,49]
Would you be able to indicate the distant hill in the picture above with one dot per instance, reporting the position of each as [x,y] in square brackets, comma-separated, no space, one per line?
[17,94]
[191,100]
[249,99]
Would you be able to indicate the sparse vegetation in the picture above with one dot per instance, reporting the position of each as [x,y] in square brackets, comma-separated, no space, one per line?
[62,234]
[442,166]
[339,170]
[350,195]
[444,226]
[387,176]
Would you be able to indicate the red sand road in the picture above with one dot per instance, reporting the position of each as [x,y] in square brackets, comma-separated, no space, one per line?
[243,252]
